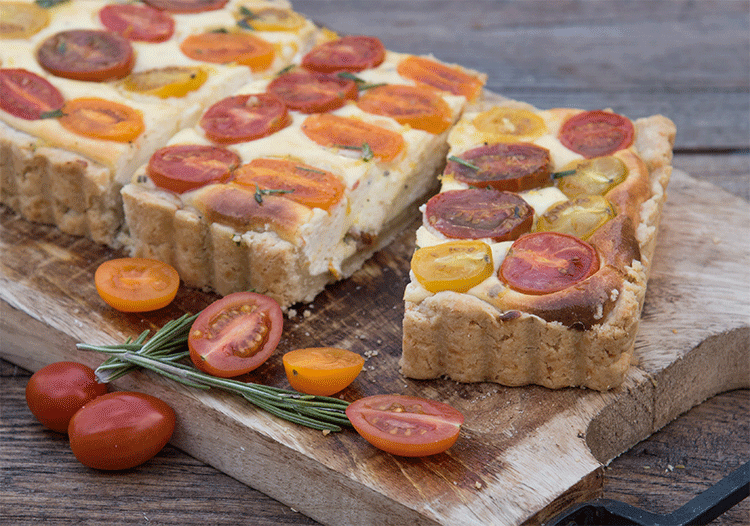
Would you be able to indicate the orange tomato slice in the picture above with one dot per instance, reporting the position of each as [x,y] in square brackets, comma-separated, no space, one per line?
[136,284]
[455,265]
[415,106]
[344,133]
[222,48]
[440,76]
[321,371]
[102,119]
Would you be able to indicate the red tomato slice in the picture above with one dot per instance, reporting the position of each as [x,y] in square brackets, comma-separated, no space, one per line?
[184,167]
[102,119]
[418,107]
[87,54]
[596,133]
[479,213]
[406,426]
[55,392]
[321,371]
[120,430]
[186,6]
[26,95]
[137,22]
[243,118]
[235,334]
[506,167]
[440,76]
[350,53]
[546,262]
[312,92]
[306,185]
[344,133]
[222,48]
[136,284]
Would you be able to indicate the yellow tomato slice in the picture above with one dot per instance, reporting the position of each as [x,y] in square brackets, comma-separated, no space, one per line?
[173,81]
[270,19]
[592,176]
[21,20]
[136,284]
[456,265]
[102,119]
[510,124]
[579,217]
[321,371]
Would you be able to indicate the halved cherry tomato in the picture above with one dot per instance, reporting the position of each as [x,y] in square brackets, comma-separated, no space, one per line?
[406,426]
[120,430]
[235,334]
[222,48]
[26,95]
[312,92]
[445,78]
[170,81]
[591,176]
[102,119]
[321,371]
[578,217]
[478,213]
[510,124]
[306,185]
[454,265]
[596,133]
[415,106]
[271,19]
[333,131]
[87,54]
[243,118]
[137,22]
[350,53]
[55,392]
[21,19]
[183,167]
[187,6]
[546,262]
[136,284]
[507,167]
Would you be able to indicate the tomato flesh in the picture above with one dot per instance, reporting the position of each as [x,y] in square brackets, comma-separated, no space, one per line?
[242,118]
[312,92]
[405,425]
[55,392]
[351,53]
[26,95]
[321,371]
[136,284]
[455,265]
[184,167]
[137,22]
[596,133]
[235,334]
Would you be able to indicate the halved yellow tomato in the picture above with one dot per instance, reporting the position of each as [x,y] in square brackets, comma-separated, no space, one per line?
[270,19]
[21,19]
[579,217]
[591,176]
[172,81]
[456,265]
[321,371]
[510,124]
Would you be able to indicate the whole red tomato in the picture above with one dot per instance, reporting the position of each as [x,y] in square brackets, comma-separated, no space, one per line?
[120,430]
[55,392]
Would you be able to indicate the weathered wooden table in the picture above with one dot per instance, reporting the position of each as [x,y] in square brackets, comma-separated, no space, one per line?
[687,60]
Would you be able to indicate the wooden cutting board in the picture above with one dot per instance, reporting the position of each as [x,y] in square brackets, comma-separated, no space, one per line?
[524,453]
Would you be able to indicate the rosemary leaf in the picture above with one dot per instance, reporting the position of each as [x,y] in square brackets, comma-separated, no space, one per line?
[463,163]
[558,175]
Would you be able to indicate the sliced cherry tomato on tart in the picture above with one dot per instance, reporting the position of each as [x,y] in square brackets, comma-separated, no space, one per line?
[406,426]
[346,134]
[547,262]
[595,176]
[87,54]
[102,119]
[137,22]
[454,265]
[184,167]
[271,19]
[507,167]
[479,213]
[321,371]
[351,53]
[21,19]
[510,124]
[28,96]
[186,6]
[136,284]
[302,183]
[312,92]
[579,217]
[596,133]
[223,48]
[445,78]
[243,118]
[415,106]
[235,334]
[170,81]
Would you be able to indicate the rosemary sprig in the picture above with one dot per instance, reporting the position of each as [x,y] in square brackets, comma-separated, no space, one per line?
[362,84]
[367,153]
[46,4]
[259,193]
[565,173]
[463,163]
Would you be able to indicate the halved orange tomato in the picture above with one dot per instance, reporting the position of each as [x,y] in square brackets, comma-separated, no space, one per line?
[136,284]
[102,119]
[321,371]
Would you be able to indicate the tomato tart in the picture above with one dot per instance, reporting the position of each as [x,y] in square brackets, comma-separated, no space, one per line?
[532,261]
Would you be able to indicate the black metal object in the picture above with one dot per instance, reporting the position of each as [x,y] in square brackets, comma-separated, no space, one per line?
[701,510]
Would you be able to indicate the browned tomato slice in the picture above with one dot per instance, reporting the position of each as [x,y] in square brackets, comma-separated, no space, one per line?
[223,48]
[26,95]
[507,167]
[351,134]
[244,118]
[418,107]
[596,133]
[184,167]
[137,22]
[87,54]
[479,213]
[546,262]
[102,119]
[304,184]
[440,76]
[350,53]
[186,6]
[313,92]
